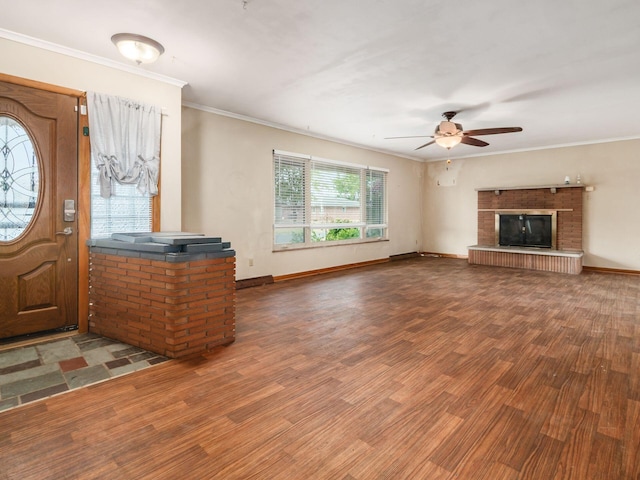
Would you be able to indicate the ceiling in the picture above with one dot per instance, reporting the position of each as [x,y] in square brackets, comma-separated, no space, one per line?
[358,71]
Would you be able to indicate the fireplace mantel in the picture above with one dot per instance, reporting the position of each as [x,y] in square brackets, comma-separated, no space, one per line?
[561,185]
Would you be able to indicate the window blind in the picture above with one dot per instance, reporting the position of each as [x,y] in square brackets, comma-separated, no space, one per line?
[290,215]
[325,201]
[128,211]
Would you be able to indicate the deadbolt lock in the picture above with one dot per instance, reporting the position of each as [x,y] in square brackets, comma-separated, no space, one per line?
[69,210]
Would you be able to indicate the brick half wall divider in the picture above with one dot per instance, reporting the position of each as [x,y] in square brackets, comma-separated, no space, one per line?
[171,308]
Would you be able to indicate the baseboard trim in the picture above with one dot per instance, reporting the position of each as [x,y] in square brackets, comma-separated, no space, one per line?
[254,282]
[444,255]
[269,279]
[403,256]
[610,270]
[320,271]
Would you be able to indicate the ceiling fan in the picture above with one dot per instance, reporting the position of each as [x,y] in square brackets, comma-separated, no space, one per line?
[449,134]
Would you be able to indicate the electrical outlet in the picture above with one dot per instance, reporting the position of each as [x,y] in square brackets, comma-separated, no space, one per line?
[251,262]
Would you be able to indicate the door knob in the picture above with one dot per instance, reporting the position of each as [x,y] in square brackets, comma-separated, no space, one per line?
[66,231]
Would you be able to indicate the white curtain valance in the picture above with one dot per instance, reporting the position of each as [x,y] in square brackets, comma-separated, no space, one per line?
[125,142]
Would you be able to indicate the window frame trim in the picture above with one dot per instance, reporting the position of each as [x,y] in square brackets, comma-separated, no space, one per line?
[308,227]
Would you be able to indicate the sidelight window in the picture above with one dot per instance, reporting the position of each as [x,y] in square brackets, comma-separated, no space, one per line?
[125,151]
[127,211]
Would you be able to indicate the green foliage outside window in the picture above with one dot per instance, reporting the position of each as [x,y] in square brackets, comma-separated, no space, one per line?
[342,233]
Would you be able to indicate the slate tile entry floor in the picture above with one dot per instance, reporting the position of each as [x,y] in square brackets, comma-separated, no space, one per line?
[32,372]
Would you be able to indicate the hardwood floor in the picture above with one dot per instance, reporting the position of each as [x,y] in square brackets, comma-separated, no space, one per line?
[426,368]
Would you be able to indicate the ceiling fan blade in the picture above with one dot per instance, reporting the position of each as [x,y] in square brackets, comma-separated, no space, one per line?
[415,136]
[426,144]
[473,141]
[492,131]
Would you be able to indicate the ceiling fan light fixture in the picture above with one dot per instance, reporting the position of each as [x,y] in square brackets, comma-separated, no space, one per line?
[138,48]
[448,141]
[448,134]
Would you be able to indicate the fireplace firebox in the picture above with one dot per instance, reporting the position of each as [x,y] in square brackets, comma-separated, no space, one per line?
[526,229]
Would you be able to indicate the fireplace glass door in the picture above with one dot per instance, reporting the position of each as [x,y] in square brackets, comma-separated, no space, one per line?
[526,230]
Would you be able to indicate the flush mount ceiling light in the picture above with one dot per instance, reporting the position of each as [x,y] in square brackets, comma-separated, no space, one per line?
[137,48]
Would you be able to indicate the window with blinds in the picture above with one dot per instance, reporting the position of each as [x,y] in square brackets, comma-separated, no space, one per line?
[127,211]
[320,201]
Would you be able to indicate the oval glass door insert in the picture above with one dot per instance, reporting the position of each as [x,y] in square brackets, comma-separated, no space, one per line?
[19,179]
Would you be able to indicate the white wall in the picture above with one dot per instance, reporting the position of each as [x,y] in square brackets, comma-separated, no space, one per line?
[611,217]
[227,191]
[42,65]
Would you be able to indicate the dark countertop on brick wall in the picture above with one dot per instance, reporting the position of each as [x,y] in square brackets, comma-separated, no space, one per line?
[171,247]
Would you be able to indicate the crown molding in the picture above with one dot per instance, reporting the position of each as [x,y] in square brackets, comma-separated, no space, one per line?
[286,128]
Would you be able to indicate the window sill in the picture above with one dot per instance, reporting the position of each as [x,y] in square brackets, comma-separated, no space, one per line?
[326,244]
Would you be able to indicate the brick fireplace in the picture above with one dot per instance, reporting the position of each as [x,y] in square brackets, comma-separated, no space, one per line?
[563,201]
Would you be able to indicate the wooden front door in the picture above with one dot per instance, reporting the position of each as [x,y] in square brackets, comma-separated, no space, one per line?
[38,199]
